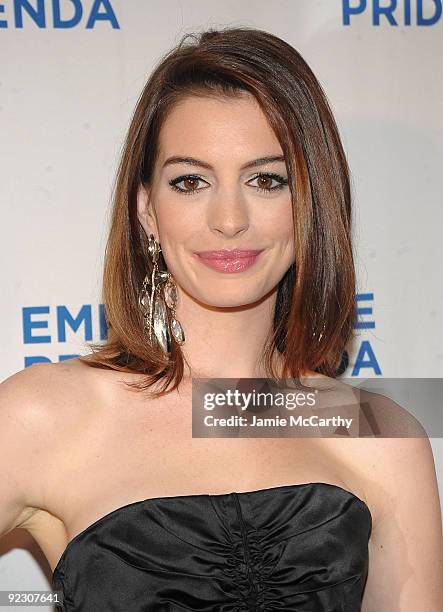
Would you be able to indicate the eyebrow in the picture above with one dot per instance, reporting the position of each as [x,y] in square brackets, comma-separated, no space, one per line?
[192,161]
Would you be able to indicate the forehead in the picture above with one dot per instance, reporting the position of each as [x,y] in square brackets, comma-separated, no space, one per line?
[214,127]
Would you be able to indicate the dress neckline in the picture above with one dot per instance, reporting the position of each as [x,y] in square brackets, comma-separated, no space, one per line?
[148,500]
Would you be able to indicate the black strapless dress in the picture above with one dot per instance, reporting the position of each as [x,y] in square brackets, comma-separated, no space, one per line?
[298,548]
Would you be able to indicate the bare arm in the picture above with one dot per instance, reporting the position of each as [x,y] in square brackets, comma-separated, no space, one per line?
[20,440]
[406,547]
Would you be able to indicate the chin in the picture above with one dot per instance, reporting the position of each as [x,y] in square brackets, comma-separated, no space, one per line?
[229,301]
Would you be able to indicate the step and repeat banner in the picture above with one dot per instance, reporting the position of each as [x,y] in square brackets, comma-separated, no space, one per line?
[70,75]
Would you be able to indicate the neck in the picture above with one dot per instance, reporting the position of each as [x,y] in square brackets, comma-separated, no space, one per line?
[226,342]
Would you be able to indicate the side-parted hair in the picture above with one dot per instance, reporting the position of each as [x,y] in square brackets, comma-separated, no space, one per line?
[315,304]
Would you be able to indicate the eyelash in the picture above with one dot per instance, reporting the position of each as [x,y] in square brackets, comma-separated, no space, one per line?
[283,182]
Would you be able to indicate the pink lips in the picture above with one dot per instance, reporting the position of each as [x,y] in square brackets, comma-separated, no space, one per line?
[235,260]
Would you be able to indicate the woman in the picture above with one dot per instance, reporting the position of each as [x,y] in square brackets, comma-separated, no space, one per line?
[229,256]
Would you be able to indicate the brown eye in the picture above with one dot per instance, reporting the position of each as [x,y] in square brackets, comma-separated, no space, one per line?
[264,182]
[190,183]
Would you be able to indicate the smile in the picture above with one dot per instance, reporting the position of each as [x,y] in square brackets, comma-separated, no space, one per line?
[229,261]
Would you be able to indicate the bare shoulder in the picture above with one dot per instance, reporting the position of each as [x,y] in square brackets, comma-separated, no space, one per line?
[390,449]
[37,406]
[392,466]
[396,455]
[23,402]
[25,397]
[39,395]
[406,546]
[378,416]
[383,417]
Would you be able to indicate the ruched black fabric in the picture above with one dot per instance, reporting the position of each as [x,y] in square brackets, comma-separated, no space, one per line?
[293,547]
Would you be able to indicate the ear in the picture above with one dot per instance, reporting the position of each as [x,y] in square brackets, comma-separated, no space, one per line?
[146,212]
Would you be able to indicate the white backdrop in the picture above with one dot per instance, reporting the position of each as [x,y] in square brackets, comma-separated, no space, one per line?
[68,85]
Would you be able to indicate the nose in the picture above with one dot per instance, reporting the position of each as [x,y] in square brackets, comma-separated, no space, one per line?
[228,213]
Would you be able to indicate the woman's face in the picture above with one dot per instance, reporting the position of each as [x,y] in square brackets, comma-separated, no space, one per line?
[224,200]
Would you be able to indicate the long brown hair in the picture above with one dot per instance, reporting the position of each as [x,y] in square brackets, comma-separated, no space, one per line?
[315,310]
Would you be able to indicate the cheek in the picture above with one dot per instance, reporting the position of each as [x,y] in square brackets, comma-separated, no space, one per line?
[282,230]
[276,213]
[281,225]
[177,233]
[177,219]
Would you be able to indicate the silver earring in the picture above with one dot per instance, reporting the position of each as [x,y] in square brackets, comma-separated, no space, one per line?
[171,298]
[158,291]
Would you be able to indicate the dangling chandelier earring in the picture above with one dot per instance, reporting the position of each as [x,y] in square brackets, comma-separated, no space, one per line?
[158,291]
